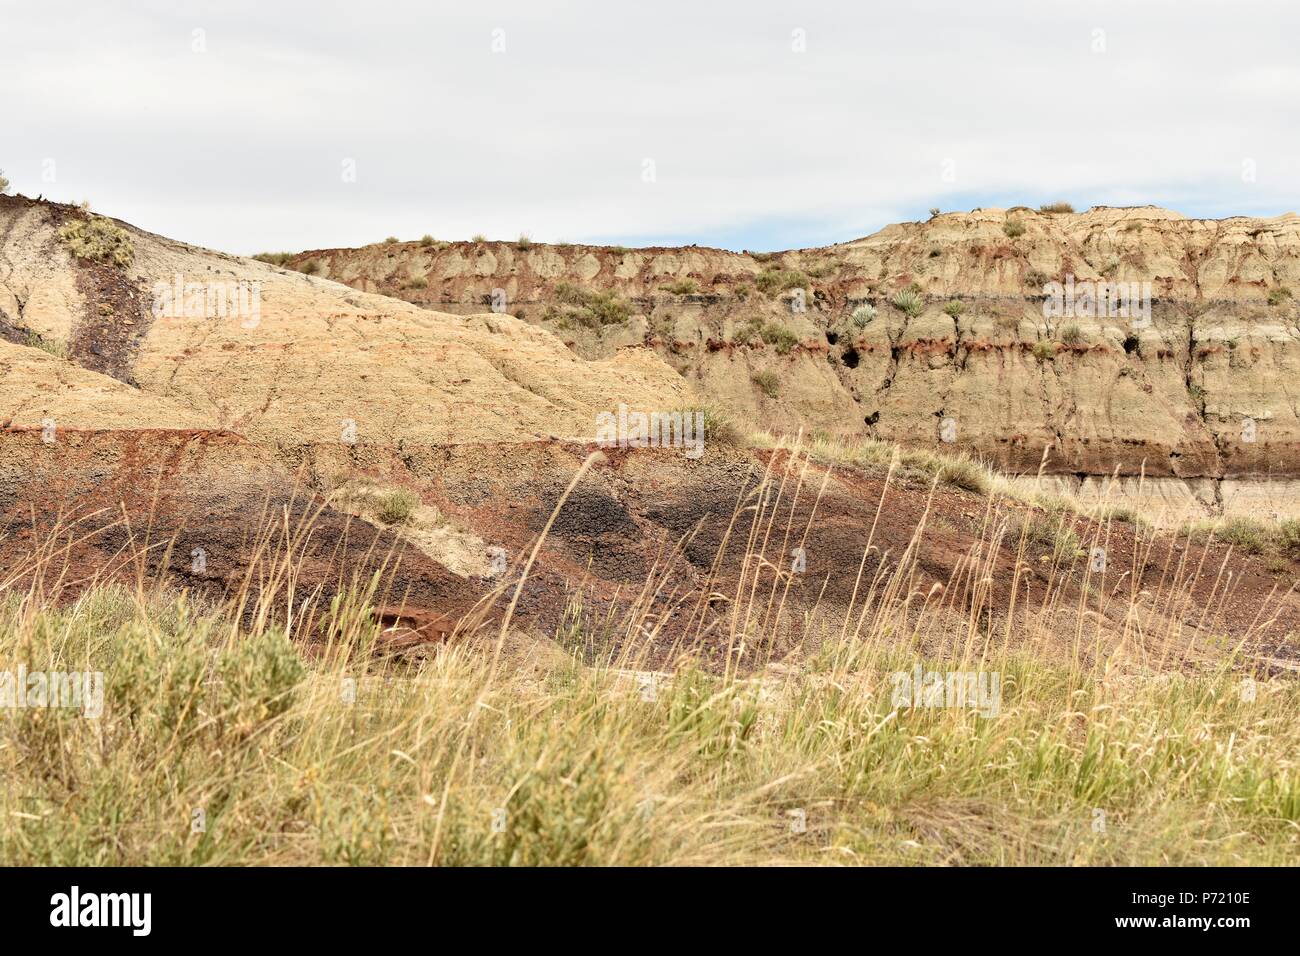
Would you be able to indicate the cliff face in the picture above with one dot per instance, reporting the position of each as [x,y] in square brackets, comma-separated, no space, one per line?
[1188,401]
[1191,392]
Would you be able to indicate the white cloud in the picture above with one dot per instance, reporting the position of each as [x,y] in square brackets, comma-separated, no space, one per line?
[241,147]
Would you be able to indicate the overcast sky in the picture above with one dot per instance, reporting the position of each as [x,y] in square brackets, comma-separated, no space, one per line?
[751,124]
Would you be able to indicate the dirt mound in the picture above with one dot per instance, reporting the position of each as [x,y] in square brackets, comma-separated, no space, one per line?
[290,360]
[797,534]
[202,510]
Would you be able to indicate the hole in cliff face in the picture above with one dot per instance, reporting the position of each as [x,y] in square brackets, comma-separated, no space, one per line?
[1131,344]
[832,337]
[851,357]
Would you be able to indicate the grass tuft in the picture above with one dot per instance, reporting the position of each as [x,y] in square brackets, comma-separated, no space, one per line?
[767,382]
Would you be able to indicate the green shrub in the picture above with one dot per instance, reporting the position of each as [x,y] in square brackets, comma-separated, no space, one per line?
[524,242]
[719,427]
[1288,538]
[588,308]
[309,268]
[770,281]
[274,258]
[934,211]
[1013,228]
[397,506]
[98,239]
[685,286]
[954,308]
[417,282]
[427,240]
[53,346]
[909,302]
[1071,335]
[391,241]
[259,677]
[767,382]
[1055,208]
[770,333]
[1054,534]
[1279,295]
[479,238]
[965,473]
[1244,534]
[1044,350]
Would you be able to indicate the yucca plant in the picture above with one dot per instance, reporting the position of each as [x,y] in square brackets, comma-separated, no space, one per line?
[909,302]
[864,315]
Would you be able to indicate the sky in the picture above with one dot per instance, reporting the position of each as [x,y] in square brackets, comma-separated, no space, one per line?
[266,126]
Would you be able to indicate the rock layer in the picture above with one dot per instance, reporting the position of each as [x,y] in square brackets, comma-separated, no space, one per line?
[1199,398]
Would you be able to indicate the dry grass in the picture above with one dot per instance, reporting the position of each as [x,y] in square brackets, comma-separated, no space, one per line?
[767,382]
[1252,536]
[295,743]
[588,308]
[97,239]
[782,339]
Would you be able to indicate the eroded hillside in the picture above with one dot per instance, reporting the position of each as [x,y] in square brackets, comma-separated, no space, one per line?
[1193,408]
[173,411]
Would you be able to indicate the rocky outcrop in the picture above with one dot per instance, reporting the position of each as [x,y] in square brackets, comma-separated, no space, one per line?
[1191,403]
[289,361]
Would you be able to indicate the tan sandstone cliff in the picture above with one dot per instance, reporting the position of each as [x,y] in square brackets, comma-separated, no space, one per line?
[1199,403]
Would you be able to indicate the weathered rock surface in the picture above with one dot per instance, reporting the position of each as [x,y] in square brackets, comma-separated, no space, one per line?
[1200,400]
[317,364]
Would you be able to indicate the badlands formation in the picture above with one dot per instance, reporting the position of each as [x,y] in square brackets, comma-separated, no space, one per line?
[141,433]
[1192,409]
